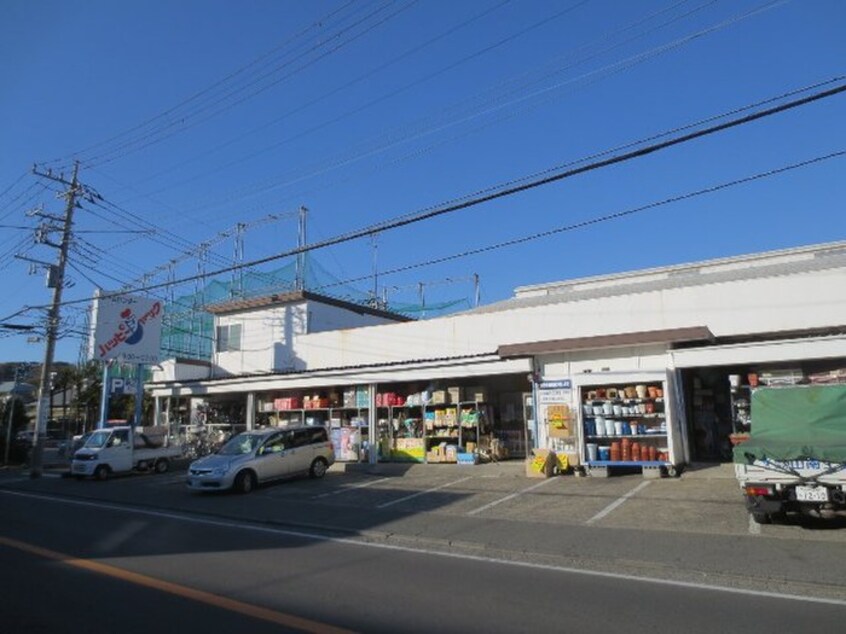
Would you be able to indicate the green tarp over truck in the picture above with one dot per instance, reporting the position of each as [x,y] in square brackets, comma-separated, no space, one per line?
[796,423]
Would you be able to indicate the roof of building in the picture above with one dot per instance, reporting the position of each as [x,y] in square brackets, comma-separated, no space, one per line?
[760,265]
[22,390]
[290,297]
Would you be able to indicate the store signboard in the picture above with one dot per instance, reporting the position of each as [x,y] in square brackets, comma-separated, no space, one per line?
[122,386]
[554,391]
[126,328]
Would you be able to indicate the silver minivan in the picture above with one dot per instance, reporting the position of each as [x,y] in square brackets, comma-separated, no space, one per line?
[255,457]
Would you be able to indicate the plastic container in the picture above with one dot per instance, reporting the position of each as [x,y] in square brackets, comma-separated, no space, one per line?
[616,452]
[592,451]
[604,453]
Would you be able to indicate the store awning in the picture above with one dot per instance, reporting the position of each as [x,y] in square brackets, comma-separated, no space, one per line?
[424,370]
[627,339]
[761,352]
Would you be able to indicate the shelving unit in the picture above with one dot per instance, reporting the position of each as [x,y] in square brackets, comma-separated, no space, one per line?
[406,440]
[626,426]
[442,430]
[417,430]
[349,436]
[453,432]
[741,397]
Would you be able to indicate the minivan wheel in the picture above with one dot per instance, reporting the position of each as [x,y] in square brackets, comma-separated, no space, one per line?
[245,482]
[101,473]
[318,468]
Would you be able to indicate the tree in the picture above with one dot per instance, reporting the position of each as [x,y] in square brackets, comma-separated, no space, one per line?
[87,382]
[15,409]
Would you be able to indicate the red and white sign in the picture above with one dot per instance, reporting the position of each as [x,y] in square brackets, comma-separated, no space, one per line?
[127,328]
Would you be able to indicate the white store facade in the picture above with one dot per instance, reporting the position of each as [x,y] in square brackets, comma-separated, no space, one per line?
[538,369]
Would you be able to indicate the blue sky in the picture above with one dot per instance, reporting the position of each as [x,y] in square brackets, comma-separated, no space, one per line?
[191,116]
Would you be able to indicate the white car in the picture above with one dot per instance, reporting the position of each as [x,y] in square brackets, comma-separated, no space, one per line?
[254,457]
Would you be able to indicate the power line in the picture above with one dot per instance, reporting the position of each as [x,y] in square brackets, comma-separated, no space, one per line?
[604,218]
[320,22]
[117,152]
[336,90]
[514,189]
[405,134]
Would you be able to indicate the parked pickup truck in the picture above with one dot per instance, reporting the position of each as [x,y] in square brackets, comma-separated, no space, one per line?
[795,457]
[121,450]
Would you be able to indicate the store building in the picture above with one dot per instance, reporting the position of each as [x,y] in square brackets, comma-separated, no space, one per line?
[652,364]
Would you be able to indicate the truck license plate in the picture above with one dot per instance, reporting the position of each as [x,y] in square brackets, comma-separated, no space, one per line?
[811,494]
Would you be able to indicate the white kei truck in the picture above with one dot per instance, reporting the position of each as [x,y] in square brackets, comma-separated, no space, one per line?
[119,450]
[795,458]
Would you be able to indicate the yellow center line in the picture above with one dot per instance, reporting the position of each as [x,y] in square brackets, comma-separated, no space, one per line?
[265,614]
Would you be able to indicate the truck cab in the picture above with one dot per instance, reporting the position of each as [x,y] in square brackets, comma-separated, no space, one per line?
[120,450]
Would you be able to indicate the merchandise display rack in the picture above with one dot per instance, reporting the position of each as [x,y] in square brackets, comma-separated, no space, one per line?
[625,427]
[406,448]
[421,427]
[459,424]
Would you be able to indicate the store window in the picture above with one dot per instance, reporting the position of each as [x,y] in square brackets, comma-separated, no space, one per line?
[229,338]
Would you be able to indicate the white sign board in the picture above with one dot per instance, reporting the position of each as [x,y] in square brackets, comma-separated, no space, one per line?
[554,392]
[122,386]
[127,328]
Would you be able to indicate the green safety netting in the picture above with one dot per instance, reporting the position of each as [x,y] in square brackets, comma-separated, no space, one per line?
[187,331]
[796,423]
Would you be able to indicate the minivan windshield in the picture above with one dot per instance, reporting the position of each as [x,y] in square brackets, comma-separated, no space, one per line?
[241,444]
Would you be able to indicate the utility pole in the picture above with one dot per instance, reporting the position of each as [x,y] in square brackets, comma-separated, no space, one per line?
[299,281]
[56,279]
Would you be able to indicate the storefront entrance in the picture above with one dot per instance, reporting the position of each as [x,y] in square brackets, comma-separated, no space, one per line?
[718,400]
[433,421]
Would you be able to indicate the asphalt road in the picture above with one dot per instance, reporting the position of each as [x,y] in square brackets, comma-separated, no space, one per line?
[447,550]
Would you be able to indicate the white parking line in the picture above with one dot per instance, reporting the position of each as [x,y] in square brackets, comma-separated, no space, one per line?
[349,488]
[617,503]
[754,527]
[419,493]
[508,497]
[317,537]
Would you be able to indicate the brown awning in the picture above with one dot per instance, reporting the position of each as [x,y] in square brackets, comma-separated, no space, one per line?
[646,337]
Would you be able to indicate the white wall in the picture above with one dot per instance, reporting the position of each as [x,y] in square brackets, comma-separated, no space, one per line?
[170,370]
[323,317]
[268,335]
[778,303]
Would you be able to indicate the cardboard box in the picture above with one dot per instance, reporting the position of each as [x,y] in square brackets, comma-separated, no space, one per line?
[542,464]
[289,402]
[439,397]
[453,395]
[475,394]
